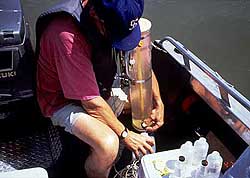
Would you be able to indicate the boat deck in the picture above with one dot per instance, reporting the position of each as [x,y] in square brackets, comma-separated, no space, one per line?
[29,140]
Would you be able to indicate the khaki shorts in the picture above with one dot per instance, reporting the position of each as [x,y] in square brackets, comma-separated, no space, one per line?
[67,115]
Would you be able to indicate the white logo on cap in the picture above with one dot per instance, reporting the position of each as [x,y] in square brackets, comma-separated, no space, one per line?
[133,23]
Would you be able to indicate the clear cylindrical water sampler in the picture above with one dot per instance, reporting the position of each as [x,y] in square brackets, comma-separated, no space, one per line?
[140,71]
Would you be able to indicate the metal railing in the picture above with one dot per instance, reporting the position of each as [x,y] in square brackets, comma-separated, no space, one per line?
[229,103]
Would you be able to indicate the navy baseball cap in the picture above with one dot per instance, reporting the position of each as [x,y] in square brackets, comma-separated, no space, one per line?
[121,20]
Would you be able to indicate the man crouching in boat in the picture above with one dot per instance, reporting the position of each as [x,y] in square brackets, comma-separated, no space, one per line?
[75,72]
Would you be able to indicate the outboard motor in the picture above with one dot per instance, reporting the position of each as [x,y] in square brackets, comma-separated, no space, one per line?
[16,55]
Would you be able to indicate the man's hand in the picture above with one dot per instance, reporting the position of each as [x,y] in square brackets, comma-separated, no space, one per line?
[156,119]
[139,143]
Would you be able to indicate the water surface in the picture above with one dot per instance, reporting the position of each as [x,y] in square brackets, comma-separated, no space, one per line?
[217,31]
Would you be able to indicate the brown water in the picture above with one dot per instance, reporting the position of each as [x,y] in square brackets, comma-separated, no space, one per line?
[217,31]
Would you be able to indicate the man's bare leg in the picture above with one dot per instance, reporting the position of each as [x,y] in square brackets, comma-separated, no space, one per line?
[104,145]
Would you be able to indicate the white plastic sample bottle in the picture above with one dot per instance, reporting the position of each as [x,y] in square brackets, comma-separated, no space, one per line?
[145,134]
[214,164]
[200,151]
[186,150]
[202,170]
[152,136]
[179,170]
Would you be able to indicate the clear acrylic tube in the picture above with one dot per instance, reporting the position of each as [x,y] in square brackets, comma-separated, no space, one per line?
[140,71]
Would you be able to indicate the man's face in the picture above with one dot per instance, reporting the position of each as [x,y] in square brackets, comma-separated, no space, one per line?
[100,24]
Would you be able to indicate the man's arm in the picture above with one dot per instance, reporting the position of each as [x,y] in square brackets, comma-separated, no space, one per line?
[157,115]
[99,109]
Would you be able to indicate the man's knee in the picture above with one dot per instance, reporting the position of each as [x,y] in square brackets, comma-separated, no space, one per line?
[109,146]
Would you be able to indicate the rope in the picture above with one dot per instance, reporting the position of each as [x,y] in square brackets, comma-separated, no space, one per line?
[130,171]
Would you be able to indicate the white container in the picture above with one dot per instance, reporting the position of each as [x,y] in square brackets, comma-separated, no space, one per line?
[186,150]
[202,170]
[147,167]
[180,167]
[200,151]
[214,164]
[37,172]
[153,137]
[145,134]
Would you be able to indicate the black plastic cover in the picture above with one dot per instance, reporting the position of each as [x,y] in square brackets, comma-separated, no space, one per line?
[12,27]
[16,54]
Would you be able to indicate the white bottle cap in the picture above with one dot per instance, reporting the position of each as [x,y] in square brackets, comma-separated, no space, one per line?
[202,139]
[145,24]
[189,143]
[216,153]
